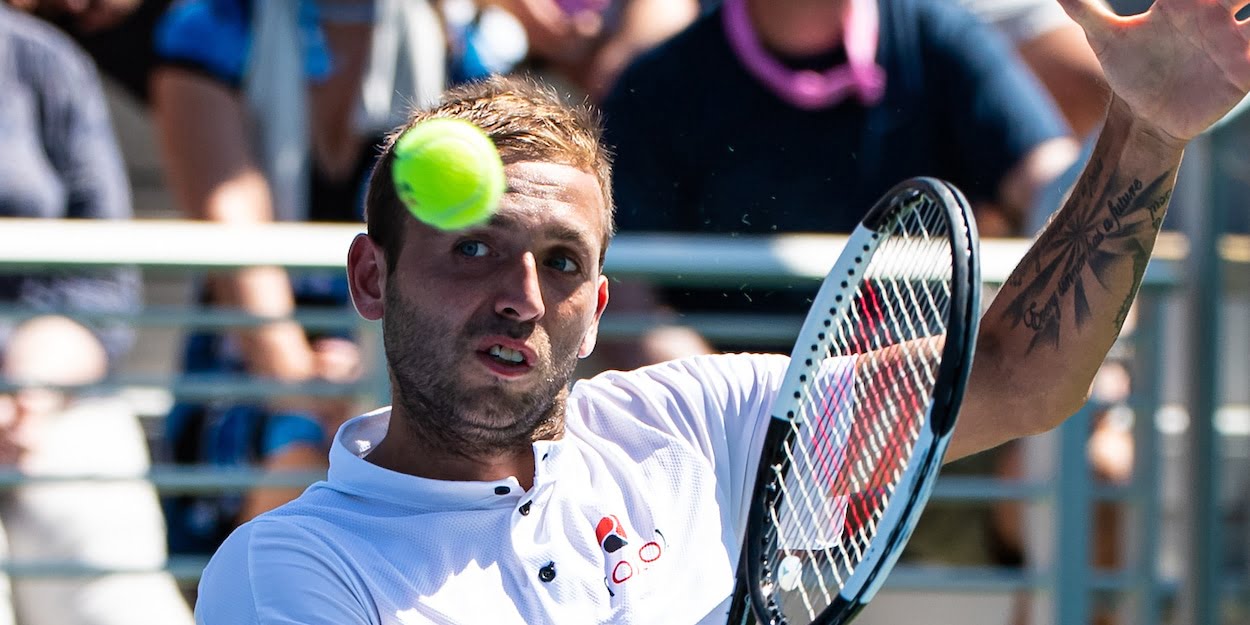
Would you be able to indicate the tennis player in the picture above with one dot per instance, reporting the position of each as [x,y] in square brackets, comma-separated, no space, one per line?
[491,492]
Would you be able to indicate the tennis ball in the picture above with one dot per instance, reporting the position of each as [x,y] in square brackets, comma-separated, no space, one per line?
[448,173]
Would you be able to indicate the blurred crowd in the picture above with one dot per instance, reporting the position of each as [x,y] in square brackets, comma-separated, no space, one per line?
[733,116]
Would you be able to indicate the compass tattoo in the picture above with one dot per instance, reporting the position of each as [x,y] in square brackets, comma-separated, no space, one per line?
[1106,225]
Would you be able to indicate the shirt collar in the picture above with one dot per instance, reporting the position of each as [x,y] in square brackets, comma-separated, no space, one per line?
[350,472]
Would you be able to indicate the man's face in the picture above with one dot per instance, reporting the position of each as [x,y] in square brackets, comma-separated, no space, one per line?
[483,327]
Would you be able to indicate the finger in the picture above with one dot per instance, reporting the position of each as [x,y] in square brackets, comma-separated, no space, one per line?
[1092,15]
[587,23]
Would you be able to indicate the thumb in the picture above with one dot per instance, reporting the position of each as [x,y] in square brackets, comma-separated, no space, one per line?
[1092,15]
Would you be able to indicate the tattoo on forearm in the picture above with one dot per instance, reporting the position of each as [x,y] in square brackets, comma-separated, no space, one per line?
[1107,225]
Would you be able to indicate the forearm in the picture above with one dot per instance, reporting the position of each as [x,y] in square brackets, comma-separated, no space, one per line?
[1050,327]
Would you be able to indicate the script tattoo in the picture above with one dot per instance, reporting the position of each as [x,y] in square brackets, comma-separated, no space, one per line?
[1103,229]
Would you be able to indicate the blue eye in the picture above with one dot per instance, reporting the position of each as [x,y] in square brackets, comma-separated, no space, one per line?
[563,264]
[472,248]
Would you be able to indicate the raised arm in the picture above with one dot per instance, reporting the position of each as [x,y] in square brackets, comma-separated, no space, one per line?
[1174,70]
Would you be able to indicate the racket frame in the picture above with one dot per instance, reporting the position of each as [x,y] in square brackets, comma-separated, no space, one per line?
[900,517]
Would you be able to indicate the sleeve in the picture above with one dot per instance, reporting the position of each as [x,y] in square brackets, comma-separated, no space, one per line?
[648,178]
[80,145]
[266,573]
[992,108]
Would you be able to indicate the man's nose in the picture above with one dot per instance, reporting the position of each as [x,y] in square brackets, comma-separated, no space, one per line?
[520,294]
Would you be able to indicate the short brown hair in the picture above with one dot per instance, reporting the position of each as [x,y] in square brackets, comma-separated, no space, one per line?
[527,122]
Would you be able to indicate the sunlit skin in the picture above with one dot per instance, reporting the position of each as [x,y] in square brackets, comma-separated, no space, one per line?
[528,281]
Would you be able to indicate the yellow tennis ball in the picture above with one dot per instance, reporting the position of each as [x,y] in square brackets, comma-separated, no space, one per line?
[448,173]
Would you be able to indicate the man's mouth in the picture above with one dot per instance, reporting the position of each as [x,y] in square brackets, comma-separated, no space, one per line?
[505,361]
[507,355]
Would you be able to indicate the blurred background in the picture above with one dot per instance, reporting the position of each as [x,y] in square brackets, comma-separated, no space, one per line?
[179,181]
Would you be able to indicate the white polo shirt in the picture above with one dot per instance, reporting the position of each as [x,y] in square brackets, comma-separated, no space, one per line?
[636,516]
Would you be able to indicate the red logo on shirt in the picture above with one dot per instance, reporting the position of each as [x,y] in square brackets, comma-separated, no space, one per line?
[610,534]
[623,563]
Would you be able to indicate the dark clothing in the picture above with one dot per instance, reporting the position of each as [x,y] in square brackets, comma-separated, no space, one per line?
[124,52]
[60,161]
[702,146]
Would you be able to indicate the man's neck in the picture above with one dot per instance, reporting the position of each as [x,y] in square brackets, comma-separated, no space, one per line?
[405,451]
[798,28]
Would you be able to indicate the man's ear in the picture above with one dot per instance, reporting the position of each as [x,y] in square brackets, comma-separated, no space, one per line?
[592,334]
[366,277]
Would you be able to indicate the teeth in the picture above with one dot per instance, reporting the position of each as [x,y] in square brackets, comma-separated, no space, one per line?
[503,353]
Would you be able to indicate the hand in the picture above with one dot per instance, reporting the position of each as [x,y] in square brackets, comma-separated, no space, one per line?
[337,361]
[554,34]
[22,415]
[1179,67]
[43,353]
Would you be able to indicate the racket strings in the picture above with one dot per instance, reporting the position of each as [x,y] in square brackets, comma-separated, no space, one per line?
[852,435]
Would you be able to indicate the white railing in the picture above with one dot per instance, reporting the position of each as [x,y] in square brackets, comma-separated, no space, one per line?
[704,260]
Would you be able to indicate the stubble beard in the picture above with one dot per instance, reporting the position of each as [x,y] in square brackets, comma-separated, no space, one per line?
[425,356]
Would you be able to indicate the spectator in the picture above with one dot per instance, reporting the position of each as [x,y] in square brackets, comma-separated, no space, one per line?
[62,162]
[319,82]
[774,117]
[587,43]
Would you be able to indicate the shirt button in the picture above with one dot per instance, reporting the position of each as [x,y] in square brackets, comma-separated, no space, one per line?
[548,572]
[502,490]
[525,508]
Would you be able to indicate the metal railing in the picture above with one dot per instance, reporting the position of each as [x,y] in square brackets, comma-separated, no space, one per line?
[173,246]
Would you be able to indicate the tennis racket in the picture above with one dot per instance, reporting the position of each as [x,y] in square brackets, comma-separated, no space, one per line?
[865,411]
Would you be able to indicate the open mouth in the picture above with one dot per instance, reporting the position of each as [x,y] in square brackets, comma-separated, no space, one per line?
[506,355]
[505,361]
